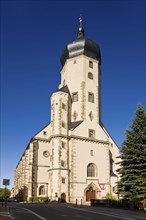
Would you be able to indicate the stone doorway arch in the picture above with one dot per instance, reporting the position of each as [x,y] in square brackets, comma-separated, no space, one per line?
[90,192]
[63,197]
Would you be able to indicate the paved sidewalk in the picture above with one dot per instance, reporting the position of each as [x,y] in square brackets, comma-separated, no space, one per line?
[4,213]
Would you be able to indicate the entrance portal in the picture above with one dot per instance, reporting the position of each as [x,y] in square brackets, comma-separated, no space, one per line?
[90,194]
[63,197]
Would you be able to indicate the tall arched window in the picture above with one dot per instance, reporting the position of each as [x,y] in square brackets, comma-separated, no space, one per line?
[91,170]
[42,190]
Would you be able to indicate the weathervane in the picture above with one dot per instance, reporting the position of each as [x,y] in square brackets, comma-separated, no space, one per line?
[80,32]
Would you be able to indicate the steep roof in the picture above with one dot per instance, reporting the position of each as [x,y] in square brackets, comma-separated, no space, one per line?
[74,124]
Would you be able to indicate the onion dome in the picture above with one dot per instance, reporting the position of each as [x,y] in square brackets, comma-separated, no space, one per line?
[80,46]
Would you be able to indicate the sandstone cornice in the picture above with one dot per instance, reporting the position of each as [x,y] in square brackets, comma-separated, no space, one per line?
[72,137]
[59,169]
[40,139]
[89,139]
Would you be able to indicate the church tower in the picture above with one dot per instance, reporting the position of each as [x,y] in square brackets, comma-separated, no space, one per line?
[84,164]
[74,157]
[81,62]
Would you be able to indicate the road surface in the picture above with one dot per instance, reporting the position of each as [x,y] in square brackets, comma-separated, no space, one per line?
[64,211]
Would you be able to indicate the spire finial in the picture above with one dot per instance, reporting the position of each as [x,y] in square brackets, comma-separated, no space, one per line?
[80,30]
[80,20]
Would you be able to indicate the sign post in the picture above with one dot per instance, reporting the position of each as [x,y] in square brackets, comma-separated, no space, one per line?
[6,182]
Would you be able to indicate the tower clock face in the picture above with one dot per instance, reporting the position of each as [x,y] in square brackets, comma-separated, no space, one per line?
[46,153]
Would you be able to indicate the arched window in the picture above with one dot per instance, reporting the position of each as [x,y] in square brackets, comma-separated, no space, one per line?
[42,190]
[90,75]
[91,170]
[90,64]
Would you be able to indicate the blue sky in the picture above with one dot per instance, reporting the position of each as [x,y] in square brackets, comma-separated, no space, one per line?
[33,35]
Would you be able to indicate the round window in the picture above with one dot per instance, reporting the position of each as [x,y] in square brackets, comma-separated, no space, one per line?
[46,153]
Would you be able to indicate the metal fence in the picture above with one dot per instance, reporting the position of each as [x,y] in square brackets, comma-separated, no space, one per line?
[126,204]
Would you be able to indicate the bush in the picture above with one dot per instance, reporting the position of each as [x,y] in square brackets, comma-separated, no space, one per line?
[38,199]
[110,196]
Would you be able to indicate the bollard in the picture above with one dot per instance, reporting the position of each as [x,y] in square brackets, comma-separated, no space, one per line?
[5,203]
[81,203]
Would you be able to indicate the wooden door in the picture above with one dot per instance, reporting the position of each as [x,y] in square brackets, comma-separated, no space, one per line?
[90,194]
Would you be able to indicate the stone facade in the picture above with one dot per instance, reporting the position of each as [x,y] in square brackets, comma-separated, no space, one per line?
[73,157]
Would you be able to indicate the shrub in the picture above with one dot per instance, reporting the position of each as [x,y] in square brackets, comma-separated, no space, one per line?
[38,199]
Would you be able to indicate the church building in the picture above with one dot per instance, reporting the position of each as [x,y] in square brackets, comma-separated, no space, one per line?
[73,158]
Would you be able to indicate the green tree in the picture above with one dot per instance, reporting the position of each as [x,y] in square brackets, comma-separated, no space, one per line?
[132,184]
[4,193]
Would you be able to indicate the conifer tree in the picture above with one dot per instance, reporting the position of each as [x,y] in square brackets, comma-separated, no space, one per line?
[132,184]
